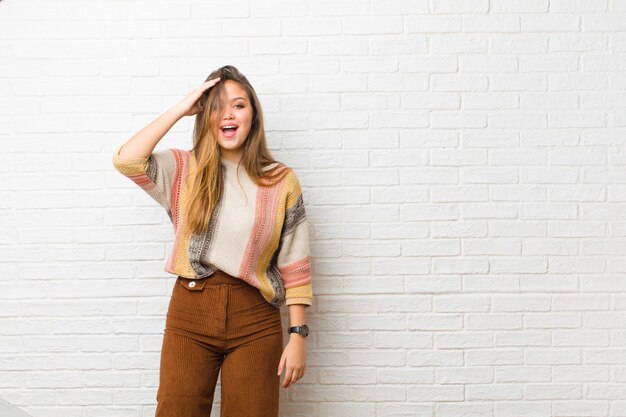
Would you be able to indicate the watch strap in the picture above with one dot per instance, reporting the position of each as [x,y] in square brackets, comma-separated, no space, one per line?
[302,330]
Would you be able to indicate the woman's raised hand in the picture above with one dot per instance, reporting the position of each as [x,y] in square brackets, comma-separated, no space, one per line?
[190,105]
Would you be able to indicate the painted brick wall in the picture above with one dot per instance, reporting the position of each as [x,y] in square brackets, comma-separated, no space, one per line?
[462,165]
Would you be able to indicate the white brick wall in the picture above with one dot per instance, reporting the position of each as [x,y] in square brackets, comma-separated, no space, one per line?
[462,164]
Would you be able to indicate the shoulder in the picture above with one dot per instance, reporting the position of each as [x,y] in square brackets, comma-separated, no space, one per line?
[169,156]
[279,165]
[167,153]
[278,168]
[172,161]
[182,158]
[292,182]
[273,165]
[282,175]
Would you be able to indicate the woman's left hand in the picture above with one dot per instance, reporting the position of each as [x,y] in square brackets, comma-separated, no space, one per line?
[293,360]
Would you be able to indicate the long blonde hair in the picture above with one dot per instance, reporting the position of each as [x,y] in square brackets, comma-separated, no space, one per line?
[207,181]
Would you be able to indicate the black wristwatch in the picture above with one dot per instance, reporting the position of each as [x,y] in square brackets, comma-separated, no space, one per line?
[302,330]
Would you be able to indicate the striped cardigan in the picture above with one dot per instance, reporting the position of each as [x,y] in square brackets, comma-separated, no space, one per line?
[256,233]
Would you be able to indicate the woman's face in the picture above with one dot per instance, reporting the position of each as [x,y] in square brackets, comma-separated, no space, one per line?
[237,111]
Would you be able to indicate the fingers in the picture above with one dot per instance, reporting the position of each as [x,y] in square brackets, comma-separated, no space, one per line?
[201,90]
[293,375]
[288,378]
[281,364]
[205,86]
[212,82]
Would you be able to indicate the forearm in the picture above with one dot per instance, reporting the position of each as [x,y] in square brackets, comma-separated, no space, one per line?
[143,142]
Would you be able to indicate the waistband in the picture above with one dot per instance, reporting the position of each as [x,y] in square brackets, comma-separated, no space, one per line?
[216,278]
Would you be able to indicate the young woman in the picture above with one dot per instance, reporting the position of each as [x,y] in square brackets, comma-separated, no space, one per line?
[240,252]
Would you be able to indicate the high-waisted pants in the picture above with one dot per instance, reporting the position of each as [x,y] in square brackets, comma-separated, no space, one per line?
[219,322]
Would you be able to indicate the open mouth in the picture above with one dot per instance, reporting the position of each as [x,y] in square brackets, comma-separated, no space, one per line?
[229,132]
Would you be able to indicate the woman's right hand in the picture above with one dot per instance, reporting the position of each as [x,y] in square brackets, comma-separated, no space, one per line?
[190,105]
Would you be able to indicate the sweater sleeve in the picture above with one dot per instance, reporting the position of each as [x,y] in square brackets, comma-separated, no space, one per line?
[154,174]
[294,262]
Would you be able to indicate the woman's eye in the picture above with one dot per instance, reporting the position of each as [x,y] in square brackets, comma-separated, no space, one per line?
[239,105]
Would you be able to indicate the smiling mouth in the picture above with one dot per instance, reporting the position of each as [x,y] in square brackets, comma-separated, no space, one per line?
[230,132]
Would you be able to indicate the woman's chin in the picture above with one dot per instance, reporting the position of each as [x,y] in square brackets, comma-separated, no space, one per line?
[229,144]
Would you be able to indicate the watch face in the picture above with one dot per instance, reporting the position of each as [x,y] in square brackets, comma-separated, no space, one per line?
[305,330]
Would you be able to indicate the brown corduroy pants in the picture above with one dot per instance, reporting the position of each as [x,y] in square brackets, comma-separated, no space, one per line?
[219,322]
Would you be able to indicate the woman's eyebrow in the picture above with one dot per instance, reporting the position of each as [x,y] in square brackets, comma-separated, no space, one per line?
[238,98]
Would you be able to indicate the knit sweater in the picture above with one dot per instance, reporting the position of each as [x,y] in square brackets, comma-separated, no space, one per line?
[256,233]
